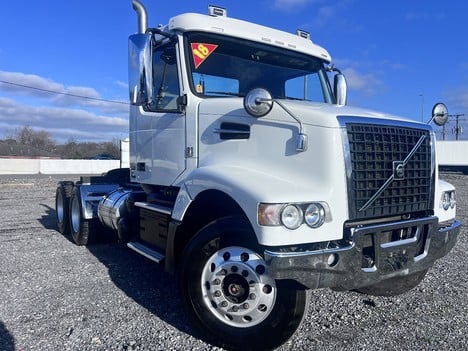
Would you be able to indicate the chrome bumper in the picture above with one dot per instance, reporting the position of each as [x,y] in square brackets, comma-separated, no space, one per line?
[359,264]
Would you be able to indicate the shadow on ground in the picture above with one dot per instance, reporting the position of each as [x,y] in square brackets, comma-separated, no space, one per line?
[139,278]
[48,219]
[7,342]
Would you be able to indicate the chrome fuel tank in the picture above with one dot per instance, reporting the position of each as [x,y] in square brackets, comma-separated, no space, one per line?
[113,207]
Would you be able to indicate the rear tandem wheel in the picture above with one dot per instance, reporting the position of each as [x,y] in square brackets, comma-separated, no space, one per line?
[62,205]
[83,231]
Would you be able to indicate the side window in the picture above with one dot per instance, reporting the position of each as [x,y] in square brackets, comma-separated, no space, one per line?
[215,85]
[166,81]
[305,88]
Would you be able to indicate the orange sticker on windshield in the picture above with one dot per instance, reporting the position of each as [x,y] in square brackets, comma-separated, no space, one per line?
[200,52]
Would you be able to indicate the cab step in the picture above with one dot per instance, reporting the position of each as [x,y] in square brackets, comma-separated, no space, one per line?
[144,250]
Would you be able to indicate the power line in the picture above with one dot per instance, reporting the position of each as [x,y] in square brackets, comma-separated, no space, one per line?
[63,93]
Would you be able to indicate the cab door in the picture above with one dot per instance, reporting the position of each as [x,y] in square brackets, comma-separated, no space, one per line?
[157,134]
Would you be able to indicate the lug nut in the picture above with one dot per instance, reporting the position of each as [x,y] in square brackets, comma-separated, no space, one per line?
[260,269]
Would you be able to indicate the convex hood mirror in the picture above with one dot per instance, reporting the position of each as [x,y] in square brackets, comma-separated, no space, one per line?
[258,102]
[439,114]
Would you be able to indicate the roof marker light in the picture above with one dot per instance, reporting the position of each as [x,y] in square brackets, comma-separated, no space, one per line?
[303,34]
[217,11]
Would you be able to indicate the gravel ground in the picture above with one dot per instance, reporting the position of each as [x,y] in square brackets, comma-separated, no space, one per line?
[55,295]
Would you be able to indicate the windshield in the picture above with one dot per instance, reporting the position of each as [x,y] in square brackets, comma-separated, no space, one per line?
[226,66]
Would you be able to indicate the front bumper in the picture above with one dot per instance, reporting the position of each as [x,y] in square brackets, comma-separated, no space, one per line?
[370,257]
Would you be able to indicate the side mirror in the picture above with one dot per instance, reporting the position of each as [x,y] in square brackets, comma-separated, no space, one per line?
[340,88]
[140,69]
[439,114]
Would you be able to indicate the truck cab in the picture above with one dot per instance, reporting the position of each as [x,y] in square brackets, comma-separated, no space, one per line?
[252,179]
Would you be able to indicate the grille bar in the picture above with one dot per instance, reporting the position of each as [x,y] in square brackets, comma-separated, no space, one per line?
[377,153]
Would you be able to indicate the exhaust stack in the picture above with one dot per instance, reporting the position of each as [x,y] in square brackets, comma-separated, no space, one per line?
[142,16]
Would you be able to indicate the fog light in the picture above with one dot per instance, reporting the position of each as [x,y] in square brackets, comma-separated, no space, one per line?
[291,217]
[314,215]
[332,260]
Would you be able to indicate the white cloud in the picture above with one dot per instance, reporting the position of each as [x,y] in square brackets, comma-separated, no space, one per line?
[288,4]
[425,16]
[121,84]
[366,83]
[325,14]
[457,99]
[76,111]
[57,93]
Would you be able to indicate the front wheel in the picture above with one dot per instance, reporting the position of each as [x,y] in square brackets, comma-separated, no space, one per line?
[228,293]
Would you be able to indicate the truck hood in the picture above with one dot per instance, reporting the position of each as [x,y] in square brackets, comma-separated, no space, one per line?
[324,115]
[309,113]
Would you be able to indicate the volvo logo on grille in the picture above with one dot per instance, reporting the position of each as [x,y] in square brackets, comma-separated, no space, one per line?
[398,170]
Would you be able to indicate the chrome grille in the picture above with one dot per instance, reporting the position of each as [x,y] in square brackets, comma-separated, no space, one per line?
[374,150]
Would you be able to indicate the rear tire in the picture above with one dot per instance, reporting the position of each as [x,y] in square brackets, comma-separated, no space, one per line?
[394,286]
[83,231]
[62,206]
[227,292]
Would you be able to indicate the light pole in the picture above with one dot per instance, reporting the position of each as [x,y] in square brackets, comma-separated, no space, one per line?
[422,107]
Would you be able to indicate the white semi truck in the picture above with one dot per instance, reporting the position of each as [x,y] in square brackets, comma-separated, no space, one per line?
[252,181]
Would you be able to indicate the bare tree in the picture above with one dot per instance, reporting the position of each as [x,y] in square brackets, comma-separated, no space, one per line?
[38,139]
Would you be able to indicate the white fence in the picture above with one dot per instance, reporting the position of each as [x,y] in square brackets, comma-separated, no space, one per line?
[58,166]
[452,154]
[54,166]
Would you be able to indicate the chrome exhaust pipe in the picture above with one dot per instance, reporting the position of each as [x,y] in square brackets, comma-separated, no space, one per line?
[142,16]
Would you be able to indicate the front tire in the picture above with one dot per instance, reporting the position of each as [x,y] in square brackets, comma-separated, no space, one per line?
[227,292]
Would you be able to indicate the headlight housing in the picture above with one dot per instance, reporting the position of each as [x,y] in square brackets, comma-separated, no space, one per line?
[448,200]
[292,216]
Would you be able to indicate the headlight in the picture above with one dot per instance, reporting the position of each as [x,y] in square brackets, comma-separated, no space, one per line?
[314,215]
[291,217]
[448,200]
[453,200]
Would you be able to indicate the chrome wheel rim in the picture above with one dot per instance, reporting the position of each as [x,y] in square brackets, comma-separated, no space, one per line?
[236,287]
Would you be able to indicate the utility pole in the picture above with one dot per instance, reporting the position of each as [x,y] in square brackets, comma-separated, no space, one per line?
[458,129]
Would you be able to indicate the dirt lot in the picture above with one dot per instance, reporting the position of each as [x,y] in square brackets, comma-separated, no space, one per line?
[55,295]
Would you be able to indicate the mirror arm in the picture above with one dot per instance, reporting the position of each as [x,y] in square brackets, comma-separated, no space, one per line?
[170,36]
[302,139]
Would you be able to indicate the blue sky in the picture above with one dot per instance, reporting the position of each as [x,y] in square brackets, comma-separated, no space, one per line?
[399,56]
